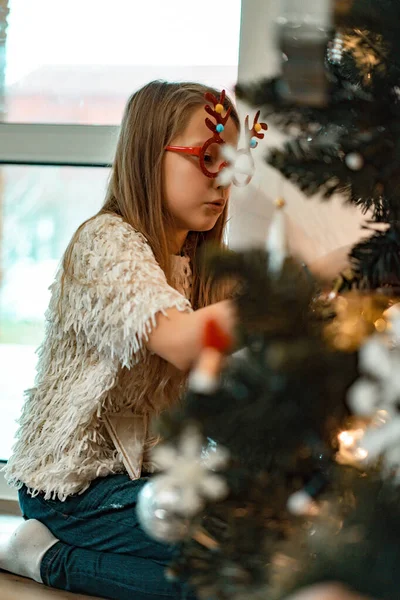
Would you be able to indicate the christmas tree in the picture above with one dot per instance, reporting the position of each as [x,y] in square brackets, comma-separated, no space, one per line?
[281,468]
[342,110]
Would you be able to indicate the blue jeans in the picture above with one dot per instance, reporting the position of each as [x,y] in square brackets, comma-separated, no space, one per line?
[103,550]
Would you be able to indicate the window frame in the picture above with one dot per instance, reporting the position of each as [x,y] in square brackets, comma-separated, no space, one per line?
[93,145]
[57,145]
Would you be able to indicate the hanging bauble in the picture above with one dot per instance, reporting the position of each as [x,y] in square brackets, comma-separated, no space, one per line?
[335,49]
[156,513]
[354,161]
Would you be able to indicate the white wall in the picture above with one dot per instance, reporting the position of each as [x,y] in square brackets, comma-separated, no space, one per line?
[315,227]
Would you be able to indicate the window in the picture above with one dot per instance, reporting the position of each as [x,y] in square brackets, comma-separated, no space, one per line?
[66,71]
[78,61]
[41,207]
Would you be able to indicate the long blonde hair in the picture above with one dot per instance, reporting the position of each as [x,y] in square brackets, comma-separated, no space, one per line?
[153,116]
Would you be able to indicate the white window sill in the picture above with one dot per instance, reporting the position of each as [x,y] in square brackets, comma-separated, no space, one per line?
[72,145]
[7,492]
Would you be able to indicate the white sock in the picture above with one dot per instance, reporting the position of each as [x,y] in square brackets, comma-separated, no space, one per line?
[22,551]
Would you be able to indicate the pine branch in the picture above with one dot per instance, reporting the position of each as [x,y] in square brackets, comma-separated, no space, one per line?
[282,374]
[380,17]
[324,164]
[354,541]
[363,73]
[243,531]
[376,261]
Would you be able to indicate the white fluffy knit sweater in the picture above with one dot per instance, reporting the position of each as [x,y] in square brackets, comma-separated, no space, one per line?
[90,367]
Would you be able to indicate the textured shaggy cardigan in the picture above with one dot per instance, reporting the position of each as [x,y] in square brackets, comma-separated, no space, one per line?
[87,415]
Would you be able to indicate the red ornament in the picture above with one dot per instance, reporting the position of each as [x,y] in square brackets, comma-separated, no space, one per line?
[215,337]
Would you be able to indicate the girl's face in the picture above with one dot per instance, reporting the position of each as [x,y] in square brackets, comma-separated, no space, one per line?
[195,201]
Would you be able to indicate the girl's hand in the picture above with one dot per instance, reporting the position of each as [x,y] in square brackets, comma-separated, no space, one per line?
[178,336]
[328,267]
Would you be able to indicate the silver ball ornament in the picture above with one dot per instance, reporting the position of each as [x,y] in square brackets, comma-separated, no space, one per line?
[354,161]
[156,514]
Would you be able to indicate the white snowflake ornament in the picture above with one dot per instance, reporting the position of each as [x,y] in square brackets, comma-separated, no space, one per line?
[381,388]
[376,395]
[189,470]
[239,164]
[239,169]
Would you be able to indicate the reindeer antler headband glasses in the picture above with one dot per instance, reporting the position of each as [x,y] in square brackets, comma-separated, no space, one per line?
[215,109]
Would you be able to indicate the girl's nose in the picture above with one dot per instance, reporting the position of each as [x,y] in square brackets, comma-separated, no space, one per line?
[216,181]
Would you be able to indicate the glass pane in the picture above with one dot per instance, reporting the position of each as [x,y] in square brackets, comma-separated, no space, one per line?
[78,61]
[41,208]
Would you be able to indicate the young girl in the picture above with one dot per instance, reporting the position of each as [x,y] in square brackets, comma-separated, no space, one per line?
[124,325]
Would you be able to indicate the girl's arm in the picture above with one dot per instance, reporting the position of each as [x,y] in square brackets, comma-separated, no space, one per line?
[177,336]
[330,266]
[117,293]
